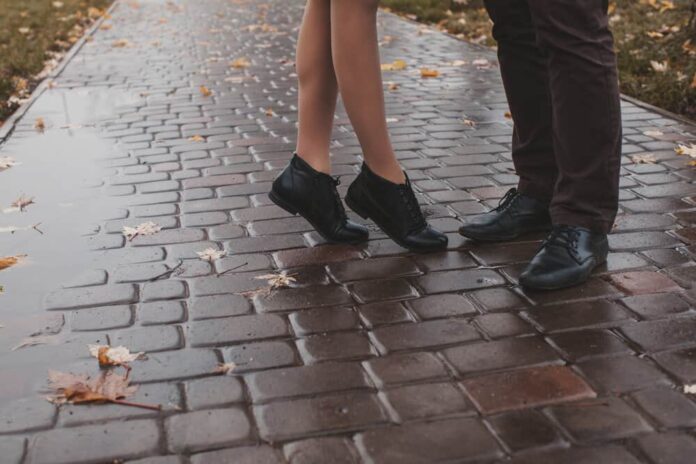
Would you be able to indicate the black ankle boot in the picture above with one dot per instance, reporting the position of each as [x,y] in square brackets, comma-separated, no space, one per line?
[516,215]
[300,189]
[567,257]
[394,208]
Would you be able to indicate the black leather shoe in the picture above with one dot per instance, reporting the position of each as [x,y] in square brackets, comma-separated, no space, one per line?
[300,189]
[515,215]
[567,257]
[394,208]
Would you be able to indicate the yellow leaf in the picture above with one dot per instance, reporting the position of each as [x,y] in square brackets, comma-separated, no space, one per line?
[240,63]
[426,72]
[39,125]
[196,138]
[392,86]
[508,115]
[10,261]
[205,91]
[396,65]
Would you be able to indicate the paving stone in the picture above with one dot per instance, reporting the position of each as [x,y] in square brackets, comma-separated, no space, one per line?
[258,454]
[621,374]
[433,262]
[93,443]
[642,282]
[88,279]
[374,290]
[522,430]
[593,289]
[321,450]
[577,315]
[402,368]
[500,325]
[438,306]
[502,354]
[656,305]
[200,430]
[304,417]
[161,312]
[663,334]
[319,255]
[334,346]
[12,449]
[263,355]
[160,460]
[373,269]
[455,281]
[238,329]
[107,317]
[323,320]
[526,388]
[610,454]
[494,299]
[584,344]
[668,448]
[148,339]
[26,415]
[209,307]
[460,439]
[305,380]
[668,407]
[213,391]
[301,298]
[440,332]
[90,296]
[178,364]
[427,400]
[600,420]
[383,313]
[213,204]
[163,290]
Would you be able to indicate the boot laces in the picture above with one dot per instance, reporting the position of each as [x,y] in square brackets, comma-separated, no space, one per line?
[507,200]
[563,237]
[411,202]
[335,197]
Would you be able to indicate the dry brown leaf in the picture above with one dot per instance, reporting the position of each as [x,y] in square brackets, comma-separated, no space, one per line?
[113,356]
[9,261]
[196,138]
[396,65]
[146,228]
[121,43]
[427,72]
[107,387]
[508,115]
[39,125]
[269,112]
[205,91]
[22,202]
[274,282]
[6,162]
[392,86]
[469,122]
[644,159]
[224,368]
[240,63]
[211,254]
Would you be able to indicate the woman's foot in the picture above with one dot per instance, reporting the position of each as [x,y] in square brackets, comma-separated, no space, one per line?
[300,189]
[394,208]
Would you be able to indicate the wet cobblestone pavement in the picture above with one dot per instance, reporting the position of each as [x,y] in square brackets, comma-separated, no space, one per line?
[375,355]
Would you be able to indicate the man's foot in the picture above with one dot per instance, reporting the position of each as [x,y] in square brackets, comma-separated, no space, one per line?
[515,215]
[300,189]
[567,258]
[395,209]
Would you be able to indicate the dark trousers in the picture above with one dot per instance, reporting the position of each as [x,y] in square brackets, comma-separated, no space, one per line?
[559,69]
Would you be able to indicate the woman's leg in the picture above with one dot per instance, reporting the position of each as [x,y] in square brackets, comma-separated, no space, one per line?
[318,89]
[356,62]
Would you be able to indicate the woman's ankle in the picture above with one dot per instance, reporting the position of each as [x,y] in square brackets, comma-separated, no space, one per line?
[388,171]
[318,163]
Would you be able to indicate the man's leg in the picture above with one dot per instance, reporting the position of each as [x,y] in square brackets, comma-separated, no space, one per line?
[586,110]
[525,76]
[587,140]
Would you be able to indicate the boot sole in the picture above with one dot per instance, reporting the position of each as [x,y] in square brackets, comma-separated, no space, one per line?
[294,211]
[363,214]
[507,238]
[566,285]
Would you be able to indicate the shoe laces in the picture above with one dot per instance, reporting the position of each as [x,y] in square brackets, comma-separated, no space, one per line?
[507,200]
[334,182]
[411,202]
[564,237]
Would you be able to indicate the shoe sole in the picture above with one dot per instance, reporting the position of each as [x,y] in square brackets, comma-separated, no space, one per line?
[363,214]
[292,210]
[564,286]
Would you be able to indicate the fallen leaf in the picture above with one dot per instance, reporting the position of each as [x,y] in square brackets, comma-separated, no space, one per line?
[6,162]
[392,86]
[396,65]
[390,120]
[224,368]
[240,63]
[469,122]
[427,72]
[205,91]
[39,125]
[659,66]
[274,282]
[644,159]
[688,151]
[121,43]
[653,134]
[269,112]
[508,115]
[481,63]
[22,202]
[690,389]
[211,254]
[146,228]
[107,387]
[9,261]
[196,138]
[458,63]
[113,356]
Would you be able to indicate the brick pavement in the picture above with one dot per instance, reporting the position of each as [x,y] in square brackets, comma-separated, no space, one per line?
[376,355]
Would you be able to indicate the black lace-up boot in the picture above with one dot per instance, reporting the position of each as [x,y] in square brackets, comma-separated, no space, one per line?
[515,215]
[566,258]
[300,189]
[395,209]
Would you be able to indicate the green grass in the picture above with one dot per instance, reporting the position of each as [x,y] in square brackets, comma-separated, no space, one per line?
[632,20]
[33,32]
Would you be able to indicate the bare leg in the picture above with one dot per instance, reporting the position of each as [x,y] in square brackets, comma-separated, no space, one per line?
[318,89]
[356,62]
